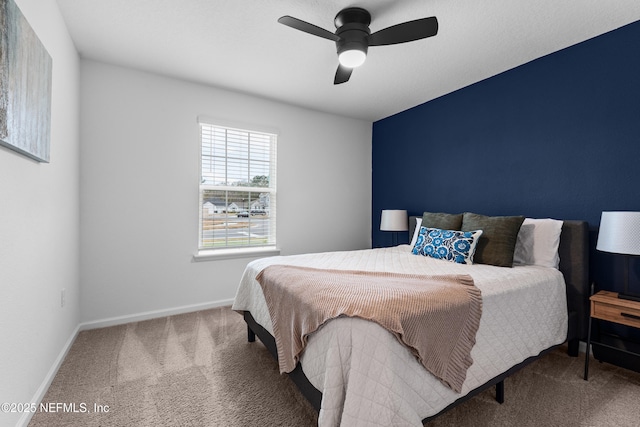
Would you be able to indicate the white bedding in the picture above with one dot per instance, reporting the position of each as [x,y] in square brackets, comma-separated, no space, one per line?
[368,378]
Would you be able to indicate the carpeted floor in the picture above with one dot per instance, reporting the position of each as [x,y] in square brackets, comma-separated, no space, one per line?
[198,369]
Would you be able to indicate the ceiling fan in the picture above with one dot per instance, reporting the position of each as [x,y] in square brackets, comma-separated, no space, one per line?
[353,37]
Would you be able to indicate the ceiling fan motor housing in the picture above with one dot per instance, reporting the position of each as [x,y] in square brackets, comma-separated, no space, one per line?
[353,29]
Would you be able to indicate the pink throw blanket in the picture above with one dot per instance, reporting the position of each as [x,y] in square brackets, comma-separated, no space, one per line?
[436,317]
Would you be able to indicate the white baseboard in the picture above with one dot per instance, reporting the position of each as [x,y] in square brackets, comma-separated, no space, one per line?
[120,320]
[42,390]
[582,347]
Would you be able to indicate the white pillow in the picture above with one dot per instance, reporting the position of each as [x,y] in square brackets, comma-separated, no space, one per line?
[538,241]
[416,232]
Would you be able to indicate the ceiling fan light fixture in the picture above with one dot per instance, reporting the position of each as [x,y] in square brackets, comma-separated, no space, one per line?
[352,58]
[352,53]
[353,36]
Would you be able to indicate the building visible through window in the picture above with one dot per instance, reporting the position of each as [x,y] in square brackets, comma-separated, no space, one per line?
[237,188]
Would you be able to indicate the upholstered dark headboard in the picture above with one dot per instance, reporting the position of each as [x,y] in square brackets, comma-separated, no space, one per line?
[574,265]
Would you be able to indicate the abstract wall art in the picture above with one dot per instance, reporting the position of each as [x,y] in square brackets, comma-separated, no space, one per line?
[25,86]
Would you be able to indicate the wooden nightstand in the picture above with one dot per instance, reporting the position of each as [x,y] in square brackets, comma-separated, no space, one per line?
[607,306]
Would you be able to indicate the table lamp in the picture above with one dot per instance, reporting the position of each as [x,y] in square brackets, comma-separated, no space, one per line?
[394,220]
[620,234]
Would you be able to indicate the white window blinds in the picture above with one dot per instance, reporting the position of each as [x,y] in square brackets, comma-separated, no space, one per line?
[237,188]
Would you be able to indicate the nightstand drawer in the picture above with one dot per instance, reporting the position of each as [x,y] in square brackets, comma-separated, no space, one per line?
[614,313]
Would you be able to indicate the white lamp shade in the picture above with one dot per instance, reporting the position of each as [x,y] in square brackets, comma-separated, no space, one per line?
[394,220]
[619,233]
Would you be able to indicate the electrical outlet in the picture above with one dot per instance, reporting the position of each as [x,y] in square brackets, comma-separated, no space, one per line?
[63,297]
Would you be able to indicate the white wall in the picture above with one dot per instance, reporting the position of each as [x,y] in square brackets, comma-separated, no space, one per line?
[39,233]
[139,189]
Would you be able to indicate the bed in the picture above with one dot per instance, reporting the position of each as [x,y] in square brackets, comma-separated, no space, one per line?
[356,373]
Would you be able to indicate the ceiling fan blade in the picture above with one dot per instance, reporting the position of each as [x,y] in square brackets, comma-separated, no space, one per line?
[405,32]
[298,24]
[342,75]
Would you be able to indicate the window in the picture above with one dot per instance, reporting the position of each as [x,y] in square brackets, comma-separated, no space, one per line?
[237,188]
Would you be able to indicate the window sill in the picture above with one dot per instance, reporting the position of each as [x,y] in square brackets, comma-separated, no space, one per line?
[220,254]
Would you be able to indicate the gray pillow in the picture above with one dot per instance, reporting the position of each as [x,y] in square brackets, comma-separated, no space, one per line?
[443,221]
[498,239]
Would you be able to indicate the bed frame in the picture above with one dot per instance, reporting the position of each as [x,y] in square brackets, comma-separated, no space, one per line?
[574,265]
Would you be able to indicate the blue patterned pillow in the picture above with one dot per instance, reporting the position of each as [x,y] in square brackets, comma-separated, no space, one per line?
[450,245]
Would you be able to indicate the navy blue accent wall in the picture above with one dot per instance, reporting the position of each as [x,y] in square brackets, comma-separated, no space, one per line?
[557,137]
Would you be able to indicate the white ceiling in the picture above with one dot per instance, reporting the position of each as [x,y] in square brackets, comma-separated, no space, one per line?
[239,45]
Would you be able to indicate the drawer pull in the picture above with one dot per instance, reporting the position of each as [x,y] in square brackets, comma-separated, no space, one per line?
[631,316]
